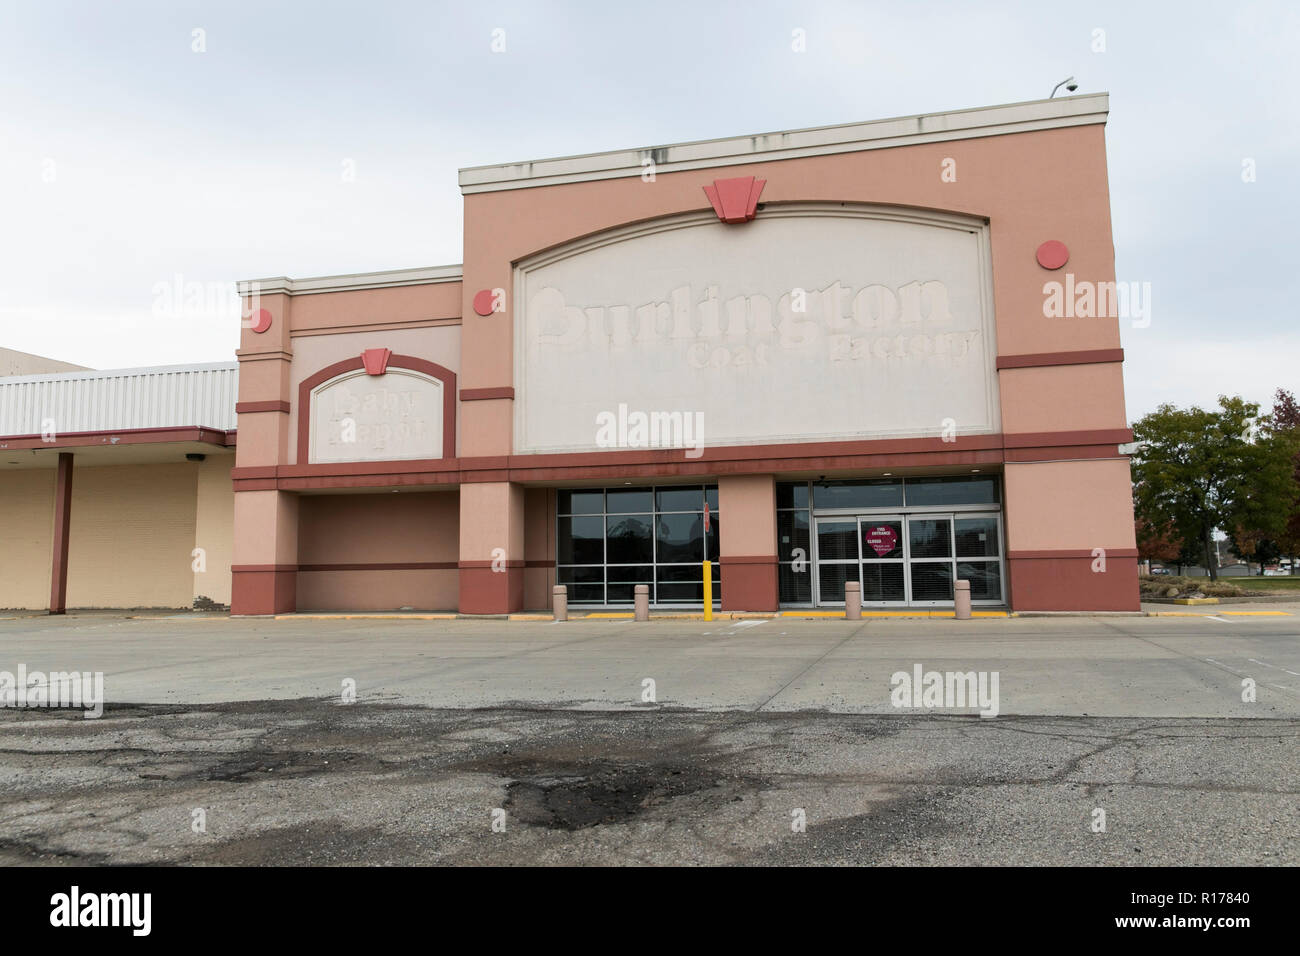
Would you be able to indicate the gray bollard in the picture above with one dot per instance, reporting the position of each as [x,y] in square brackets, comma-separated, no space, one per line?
[641,602]
[560,602]
[961,600]
[853,600]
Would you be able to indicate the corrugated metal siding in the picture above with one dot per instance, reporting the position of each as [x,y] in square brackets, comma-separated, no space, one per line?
[115,399]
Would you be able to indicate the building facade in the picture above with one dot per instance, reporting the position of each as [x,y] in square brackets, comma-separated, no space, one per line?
[809,357]
[884,352]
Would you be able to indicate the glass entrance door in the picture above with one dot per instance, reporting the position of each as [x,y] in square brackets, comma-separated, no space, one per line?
[868,549]
[929,559]
[838,557]
[908,541]
[883,549]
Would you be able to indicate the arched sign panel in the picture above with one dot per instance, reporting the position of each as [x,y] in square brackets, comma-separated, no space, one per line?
[361,417]
[814,322]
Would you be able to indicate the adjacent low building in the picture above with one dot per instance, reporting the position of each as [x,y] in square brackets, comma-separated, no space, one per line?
[809,357]
[115,487]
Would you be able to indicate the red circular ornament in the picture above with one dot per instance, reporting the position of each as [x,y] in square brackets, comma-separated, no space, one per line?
[261,321]
[1052,254]
[483,301]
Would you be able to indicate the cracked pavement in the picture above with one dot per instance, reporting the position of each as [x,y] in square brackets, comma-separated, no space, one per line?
[758,727]
[320,782]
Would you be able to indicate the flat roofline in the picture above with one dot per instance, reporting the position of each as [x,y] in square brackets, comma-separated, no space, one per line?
[123,437]
[1031,115]
[353,281]
[118,372]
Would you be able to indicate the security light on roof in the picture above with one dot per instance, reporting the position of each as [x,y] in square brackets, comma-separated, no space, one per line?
[1068,83]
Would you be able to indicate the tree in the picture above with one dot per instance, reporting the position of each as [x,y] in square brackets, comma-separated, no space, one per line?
[1251,545]
[1157,543]
[1196,470]
[1285,417]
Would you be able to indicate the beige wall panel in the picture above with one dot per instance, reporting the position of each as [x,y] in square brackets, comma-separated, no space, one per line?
[132,534]
[25,548]
[214,529]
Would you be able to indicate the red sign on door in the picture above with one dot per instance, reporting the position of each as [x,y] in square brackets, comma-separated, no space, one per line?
[882,539]
[707,529]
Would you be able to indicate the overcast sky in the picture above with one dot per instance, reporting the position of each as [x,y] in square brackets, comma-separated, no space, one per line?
[135,170]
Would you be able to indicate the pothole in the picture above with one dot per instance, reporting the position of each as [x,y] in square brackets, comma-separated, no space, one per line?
[611,795]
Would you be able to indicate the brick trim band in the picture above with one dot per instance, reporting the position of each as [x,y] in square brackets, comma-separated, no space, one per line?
[383,566]
[1075,553]
[966,451]
[1044,359]
[483,394]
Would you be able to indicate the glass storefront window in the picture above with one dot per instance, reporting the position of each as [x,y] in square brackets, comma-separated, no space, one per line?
[586,502]
[582,575]
[831,578]
[882,582]
[963,490]
[586,584]
[930,537]
[792,533]
[794,543]
[795,587]
[985,579]
[977,537]
[863,495]
[581,540]
[931,581]
[629,539]
[680,537]
[629,500]
[624,578]
[792,494]
[837,540]
[610,540]
[679,499]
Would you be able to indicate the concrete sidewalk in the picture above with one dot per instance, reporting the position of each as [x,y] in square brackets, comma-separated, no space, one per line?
[1127,666]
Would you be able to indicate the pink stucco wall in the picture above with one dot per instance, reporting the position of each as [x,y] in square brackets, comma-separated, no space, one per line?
[1031,187]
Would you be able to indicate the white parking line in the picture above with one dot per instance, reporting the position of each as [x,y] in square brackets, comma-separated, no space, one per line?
[1211,660]
[1221,620]
[1274,666]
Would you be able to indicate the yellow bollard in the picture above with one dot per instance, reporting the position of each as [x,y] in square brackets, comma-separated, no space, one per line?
[708,590]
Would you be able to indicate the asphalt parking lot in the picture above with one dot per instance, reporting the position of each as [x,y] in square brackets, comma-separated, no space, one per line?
[1071,666]
[777,742]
